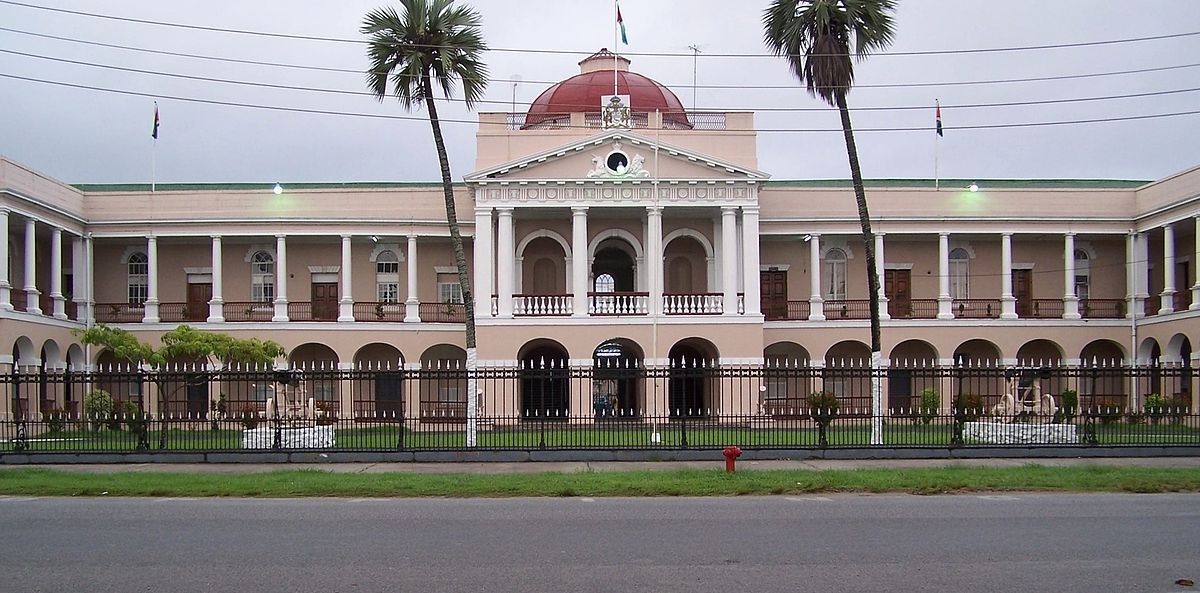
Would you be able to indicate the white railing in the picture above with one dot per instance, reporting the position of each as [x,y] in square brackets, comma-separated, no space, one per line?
[541,305]
[693,304]
[618,303]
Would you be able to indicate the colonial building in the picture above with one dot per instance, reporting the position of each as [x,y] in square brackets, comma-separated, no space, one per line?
[635,232]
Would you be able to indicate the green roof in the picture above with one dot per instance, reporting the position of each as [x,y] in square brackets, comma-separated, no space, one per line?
[145,187]
[963,183]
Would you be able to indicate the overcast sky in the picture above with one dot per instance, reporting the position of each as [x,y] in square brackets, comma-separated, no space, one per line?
[80,136]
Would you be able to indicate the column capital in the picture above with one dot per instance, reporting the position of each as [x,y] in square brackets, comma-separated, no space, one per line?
[1069,234]
[654,210]
[346,236]
[152,237]
[749,210]
[813,235]
[1006,234]
[579,210]
[280,236]
[728,210]
[411,236]
[504,210]
[215,237]
[943,234]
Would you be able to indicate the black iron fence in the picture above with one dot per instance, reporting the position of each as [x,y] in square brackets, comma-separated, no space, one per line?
[614,404]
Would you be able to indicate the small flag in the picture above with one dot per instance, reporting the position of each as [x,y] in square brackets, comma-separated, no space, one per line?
[154,133]
[939,118]
[621,24]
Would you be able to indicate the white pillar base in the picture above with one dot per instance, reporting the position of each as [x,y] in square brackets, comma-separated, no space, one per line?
[1008,307]
[5,297]
[1071,307]
[1195,298]
[33,303]
[883,309]
[281,312]
[1139,308]
[945,308]
[1167,302]
[412,312]
[151,314]
[346,311]
[816,309]
[216,311]
[59,307]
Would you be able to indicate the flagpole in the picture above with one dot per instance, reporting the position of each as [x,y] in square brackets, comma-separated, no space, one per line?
[154,150]
[937,143]
[616,33]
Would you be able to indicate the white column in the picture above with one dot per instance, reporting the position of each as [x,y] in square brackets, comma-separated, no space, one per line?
[1168,294]
[281,276]
[1196,266]
[729,259]
[654,259]
[216,305]
[505,252]
[5,283]
[1132,269]
[750,264]
[1070,299]
[1008,303]
[78,279]
[346,303]
[412,306]
[151,314]
[1143,277]
[879,267]
[579,267]
[484,262]
[90,282]
[945,303]
[32,303]
[58,303]
[816,304]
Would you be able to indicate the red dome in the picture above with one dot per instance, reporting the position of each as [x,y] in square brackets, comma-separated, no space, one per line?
[583,93]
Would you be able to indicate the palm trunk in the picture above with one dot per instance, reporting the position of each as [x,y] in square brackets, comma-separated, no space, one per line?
[864,219]
[460,258]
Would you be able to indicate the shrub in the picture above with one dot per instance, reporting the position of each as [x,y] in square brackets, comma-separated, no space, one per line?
[1107,413]
[1178,407]
[248,417]
[1155,407]
[56,419]
[968,407]
[219,411]
[135,419]
[824,406]
[1068,406]
[930,402]
[98,407]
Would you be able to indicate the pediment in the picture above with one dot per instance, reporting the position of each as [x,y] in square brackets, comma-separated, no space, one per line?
[600,158]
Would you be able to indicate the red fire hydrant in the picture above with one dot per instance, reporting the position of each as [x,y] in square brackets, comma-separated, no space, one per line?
[731,455]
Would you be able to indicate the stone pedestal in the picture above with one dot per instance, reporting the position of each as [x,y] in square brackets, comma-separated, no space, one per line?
[301,437]
[1001,433]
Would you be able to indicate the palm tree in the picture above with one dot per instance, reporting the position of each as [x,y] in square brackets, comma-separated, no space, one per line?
[434,42]
[816,38]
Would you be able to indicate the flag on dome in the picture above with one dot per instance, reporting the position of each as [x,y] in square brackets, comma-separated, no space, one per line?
[939,117]
[621,24]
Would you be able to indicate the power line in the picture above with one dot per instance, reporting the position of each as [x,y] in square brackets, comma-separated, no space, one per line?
[789,87]
[585,107]
[473,122]
[585,53]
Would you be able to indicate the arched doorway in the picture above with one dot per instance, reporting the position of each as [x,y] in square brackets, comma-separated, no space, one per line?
[614,267]
[315,365]
[978,371]
[1046,357]
[378,386]
[618,380]
[1102,377]
[443,384]
[692,379]
[545,385]
[847,376]
[788,377]
[913,370]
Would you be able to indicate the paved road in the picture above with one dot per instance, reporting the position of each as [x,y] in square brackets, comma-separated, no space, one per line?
[1060,543]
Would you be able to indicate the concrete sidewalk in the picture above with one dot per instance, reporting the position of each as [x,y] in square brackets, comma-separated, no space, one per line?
[608,466]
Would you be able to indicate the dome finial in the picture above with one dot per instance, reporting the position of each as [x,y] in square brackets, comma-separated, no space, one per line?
[603,60]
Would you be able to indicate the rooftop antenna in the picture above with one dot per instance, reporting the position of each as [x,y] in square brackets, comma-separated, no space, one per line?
[695,61]
[515,79]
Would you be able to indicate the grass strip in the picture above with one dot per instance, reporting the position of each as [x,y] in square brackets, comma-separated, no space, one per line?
[687,482]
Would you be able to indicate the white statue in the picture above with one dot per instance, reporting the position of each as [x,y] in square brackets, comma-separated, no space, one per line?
[638,167]
[598,168]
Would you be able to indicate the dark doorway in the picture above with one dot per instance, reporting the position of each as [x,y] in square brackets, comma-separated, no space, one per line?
[1183,286]
[773,290]
[897,287]
[389,395]
[900,391]
[1022,286]
[545,388]
[689,381]
[198,296]
[197,394]
[618,264]
[324,301]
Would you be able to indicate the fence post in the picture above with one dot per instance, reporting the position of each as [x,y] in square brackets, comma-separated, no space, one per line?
[143,422]
[159,387]
[21,442]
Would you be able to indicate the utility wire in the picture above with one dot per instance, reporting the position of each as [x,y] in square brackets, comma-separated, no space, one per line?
[578,107]
[580,52]
[474,122]
[789,87]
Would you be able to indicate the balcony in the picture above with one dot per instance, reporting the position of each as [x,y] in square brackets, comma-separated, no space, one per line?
[1102,308]
[611,304]
[542,305]
[699,120]
[379,312]
[119,313]
[976,308]
[847,309]
[708,303]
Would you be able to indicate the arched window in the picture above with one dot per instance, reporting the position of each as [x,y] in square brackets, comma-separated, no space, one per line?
[606,283]
[1083,274]
[139,283]
[262,277]
[960,274]
[835,275]
[387,277]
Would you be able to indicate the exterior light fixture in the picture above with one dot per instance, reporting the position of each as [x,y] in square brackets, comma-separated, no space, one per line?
[807,238]
[278,189]
[374,239]
[974,187]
